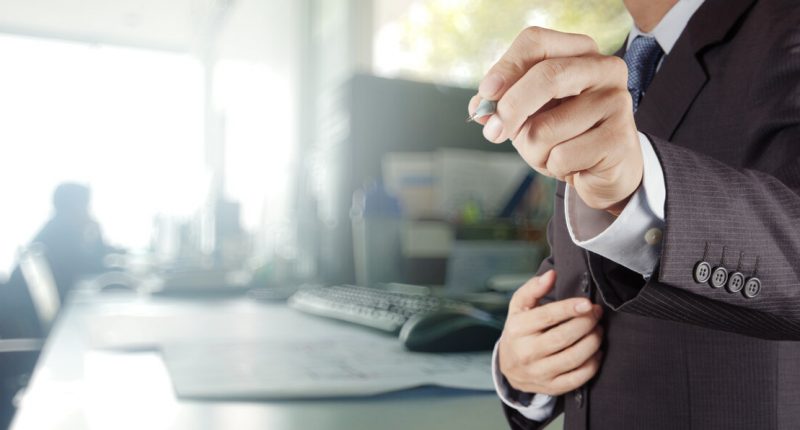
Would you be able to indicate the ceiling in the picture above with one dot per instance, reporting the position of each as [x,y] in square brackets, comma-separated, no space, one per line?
[172,25]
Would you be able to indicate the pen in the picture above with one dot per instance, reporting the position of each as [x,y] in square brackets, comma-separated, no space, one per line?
[485,108]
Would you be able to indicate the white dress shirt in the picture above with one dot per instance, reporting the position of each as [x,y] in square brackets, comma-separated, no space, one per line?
[633,239]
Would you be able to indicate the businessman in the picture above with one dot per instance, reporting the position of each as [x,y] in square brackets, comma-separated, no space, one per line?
[671,299]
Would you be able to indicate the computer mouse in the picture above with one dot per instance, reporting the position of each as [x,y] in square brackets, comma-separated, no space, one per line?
[115,282]
[116,288]
[451,330]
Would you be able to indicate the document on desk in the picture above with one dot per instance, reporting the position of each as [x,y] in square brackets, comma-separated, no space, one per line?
[316,369]
[271,351]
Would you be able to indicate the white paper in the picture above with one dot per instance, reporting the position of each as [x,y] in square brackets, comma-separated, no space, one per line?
[271,351]
[317,368]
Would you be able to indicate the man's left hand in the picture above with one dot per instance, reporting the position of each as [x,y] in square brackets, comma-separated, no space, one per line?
[567,110]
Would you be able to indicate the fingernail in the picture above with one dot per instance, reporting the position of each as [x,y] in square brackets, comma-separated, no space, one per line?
[493,129]
[491,85]
[583,306]
[472,106]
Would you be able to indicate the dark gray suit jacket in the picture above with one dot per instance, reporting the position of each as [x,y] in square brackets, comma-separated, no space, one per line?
[723,113]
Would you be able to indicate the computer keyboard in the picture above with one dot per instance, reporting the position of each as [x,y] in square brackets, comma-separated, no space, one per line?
[373,307]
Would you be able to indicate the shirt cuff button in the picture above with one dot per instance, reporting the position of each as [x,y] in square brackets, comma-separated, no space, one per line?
[653,236]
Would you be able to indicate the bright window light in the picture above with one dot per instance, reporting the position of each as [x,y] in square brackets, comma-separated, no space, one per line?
[260,149]
[127,122]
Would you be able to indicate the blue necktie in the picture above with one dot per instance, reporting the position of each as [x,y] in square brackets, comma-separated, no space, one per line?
[642,59]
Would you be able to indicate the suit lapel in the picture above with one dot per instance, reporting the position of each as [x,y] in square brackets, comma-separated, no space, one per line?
[682,75]
[670,95]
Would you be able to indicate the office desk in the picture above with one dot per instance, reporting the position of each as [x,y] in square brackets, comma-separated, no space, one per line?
[75,387]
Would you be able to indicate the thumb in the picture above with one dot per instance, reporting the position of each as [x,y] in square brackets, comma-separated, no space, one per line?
[528,295]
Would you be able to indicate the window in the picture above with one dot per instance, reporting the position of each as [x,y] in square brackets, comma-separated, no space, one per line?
[127,122]
[456,41]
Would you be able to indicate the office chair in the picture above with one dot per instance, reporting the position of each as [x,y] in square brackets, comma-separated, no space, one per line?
[41,285]
[18,356]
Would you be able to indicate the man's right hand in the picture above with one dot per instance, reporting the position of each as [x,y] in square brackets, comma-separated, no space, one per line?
[549,349]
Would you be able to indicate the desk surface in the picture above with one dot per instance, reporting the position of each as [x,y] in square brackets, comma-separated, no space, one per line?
[75,387]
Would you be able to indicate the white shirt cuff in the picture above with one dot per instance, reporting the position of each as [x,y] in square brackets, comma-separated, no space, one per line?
[633,239]
[541,406]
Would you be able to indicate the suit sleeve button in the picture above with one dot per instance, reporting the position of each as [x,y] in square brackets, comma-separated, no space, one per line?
[702,272]
[719,277]
[752,287]
[735,282]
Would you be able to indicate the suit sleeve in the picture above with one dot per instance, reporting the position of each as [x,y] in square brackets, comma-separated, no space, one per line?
[744,220]
[517,421]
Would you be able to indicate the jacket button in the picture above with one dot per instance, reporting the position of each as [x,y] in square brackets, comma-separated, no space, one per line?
[585,282]
[719,277]
[752,287]
[735,282]
[702,272]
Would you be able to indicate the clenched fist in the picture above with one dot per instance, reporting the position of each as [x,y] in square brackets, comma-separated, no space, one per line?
[549,349]
[567,110]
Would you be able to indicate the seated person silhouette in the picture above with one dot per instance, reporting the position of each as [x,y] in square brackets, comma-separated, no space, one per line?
[72,240]
[73,247]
